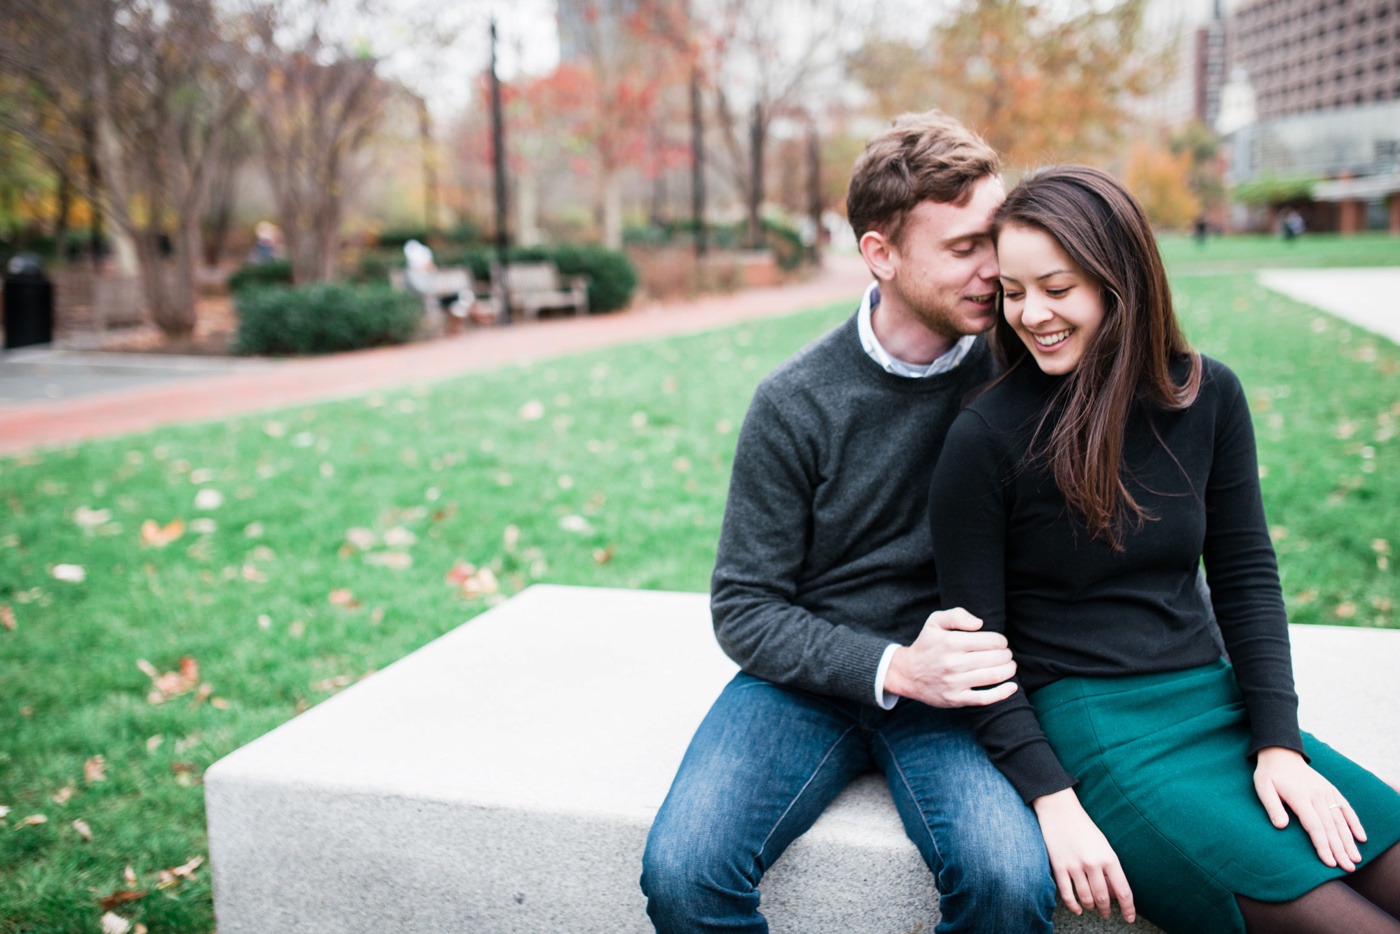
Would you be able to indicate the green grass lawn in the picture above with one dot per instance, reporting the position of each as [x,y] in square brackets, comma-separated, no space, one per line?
[322,543]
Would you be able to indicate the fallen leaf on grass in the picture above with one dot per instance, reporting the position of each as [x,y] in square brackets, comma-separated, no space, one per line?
[170,683]
[473,581]
[186,774]
[129,875]
[208,499]
[201,695]
[32,820]
[91,518]
[155,535]
[62,795]
[398,560]
[362,538]
[122,896]
[399,537]
[69,573]
[575,524]
[84,831]
[604,555]
[345,597]
[7,617]
[95,770]
[170,877]
[4,810]
[332,684]
[251,573]
[115,924]
[1345,610]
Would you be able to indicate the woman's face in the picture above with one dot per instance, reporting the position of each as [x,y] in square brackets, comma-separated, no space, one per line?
[1053,305]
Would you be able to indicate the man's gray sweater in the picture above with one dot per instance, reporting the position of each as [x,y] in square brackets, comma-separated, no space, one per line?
[825,556]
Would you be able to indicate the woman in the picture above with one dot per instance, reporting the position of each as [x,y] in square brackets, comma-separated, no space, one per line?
[1074,501]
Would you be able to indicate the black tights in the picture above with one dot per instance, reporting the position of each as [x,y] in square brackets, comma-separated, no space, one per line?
[1365,902]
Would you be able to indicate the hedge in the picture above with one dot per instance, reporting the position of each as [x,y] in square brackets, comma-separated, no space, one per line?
[783,240]
[323,318]
[254,275]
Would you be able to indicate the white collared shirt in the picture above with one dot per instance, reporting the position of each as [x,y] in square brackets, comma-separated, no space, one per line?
[890,364]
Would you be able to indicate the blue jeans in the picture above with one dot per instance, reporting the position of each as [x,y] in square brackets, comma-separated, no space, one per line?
[766,762]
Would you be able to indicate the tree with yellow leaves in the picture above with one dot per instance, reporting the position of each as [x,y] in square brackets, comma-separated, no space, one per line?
[1042,83]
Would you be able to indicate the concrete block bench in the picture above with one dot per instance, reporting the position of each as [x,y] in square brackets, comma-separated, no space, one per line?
[501,780]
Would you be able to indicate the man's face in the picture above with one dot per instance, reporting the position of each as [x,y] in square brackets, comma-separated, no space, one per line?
[945,266]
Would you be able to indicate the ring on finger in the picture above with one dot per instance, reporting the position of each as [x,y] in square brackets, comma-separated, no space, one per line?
[1336,806]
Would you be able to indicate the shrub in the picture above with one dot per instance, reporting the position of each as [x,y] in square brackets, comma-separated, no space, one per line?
[323,318]
[464,234]
[277,272]
[374,266]
[785,243]
[782,239]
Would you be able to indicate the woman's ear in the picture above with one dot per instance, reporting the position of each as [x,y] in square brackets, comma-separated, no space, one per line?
[880,255]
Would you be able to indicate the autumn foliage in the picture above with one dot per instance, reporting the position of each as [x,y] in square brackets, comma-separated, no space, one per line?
[1042,84]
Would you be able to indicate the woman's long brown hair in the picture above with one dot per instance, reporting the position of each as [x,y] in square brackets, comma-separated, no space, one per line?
[1102,228]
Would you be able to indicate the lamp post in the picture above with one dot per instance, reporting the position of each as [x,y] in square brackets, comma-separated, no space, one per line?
[498,145]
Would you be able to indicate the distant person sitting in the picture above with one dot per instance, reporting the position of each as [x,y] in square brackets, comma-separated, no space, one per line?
[267,241]
[421,275]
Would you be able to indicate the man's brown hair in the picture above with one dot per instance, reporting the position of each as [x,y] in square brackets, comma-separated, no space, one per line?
[921,157]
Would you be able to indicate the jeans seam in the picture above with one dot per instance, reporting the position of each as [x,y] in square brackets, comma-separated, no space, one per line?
[913,796]
[793,803]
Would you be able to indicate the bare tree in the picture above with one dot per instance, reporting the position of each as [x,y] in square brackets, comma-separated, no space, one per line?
[316,102]
[770,61]
[148,88]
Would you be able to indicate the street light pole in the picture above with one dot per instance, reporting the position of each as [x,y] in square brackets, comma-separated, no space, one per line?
[498,144]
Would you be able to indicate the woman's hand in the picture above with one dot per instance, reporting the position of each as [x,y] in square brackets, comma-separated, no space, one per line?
[1281,777]
[1086,869]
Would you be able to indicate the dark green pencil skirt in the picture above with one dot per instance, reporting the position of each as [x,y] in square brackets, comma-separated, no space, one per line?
[1163,770]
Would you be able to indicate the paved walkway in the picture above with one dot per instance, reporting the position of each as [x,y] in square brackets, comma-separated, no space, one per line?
[1368,298]
[102,395]
[54,397]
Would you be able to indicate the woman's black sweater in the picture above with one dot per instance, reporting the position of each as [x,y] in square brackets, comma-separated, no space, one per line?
[1011,550]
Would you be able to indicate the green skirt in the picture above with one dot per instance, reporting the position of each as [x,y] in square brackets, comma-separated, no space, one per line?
[1163,770]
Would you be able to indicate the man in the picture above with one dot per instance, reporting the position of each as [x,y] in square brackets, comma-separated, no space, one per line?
[824,580]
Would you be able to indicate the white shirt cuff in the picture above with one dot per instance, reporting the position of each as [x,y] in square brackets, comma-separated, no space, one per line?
[886,701]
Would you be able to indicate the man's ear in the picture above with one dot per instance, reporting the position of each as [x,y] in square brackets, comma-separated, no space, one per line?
[880,255]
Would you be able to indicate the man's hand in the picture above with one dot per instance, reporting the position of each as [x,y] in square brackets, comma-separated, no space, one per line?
[949,660]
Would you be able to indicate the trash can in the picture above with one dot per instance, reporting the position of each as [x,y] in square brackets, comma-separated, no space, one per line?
[28,302]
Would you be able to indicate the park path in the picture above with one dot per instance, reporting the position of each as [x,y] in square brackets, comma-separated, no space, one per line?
[98,414]
[1367,297]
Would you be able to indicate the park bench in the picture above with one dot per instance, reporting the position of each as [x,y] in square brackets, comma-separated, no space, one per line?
[536,287]
[502,780]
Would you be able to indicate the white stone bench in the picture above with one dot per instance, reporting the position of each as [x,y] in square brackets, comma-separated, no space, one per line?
[502,779]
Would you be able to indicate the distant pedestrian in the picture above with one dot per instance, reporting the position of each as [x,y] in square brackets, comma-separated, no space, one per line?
[1293,225]
[267,240]
[1201,230]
